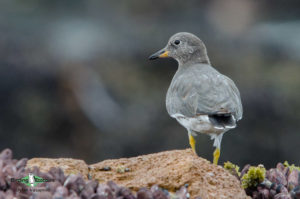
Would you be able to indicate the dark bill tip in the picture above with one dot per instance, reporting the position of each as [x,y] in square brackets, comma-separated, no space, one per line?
[156,55]
[152,57]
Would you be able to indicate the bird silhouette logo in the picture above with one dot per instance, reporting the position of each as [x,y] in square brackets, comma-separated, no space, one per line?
[31,180]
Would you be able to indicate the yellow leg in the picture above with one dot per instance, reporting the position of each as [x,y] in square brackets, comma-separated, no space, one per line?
[192,143]
[216,156]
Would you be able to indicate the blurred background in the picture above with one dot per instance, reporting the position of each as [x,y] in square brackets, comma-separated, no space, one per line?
[75,79]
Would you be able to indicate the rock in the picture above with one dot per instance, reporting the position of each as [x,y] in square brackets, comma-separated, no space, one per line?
[281,189]
[296,192]
[75,182]
[293,179]
[42,195]
[144,193]
[280,167]
[264,193]
[68,165]
[52,186]
[21,163]
[170,170]
[245,170]
[61,192]
[6,154]
[282,196]
[272,193]
[276,176]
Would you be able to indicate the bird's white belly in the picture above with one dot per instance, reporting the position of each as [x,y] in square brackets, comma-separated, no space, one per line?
[199,124]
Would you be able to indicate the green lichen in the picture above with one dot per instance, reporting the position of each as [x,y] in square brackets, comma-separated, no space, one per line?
[122,169]
[232,168]
[291,167]
[254,176]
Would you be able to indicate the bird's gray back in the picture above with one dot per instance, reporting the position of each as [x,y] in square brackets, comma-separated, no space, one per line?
[200,89]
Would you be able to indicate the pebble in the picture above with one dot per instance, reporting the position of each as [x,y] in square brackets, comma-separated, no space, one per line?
[106,168]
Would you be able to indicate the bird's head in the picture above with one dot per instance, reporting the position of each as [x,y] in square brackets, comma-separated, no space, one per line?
[185,48]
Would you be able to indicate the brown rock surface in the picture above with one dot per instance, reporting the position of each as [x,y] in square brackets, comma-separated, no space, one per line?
[170,170]
[68,165]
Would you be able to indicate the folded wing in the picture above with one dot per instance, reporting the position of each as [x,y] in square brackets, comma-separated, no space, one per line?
[201,90]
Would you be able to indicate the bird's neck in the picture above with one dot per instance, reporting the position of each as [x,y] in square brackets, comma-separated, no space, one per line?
[195,59]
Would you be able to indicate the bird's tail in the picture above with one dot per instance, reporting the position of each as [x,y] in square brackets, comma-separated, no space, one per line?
[222,121]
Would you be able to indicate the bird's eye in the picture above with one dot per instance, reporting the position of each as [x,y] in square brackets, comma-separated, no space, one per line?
[176,42]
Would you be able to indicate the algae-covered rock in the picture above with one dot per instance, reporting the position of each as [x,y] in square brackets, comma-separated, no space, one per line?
[232,168]
[253,177]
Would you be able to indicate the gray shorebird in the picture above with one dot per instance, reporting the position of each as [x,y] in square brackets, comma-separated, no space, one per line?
[200,98]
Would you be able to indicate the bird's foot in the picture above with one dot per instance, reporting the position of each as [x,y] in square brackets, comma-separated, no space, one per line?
[216,156]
